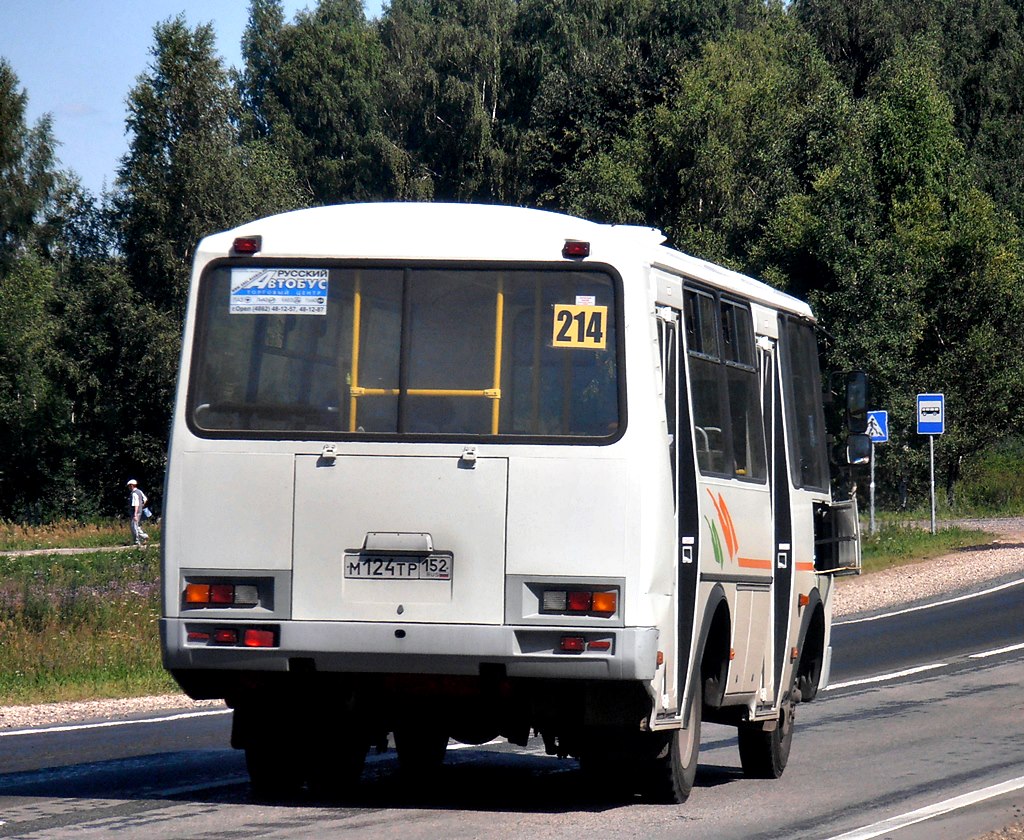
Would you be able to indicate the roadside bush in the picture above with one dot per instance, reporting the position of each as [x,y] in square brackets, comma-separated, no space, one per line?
[993,482]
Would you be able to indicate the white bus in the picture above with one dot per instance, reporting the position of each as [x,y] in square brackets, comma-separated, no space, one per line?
[466,472]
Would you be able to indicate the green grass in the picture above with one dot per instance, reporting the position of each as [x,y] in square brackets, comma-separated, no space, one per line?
[82,626]
[70,534]
[897,543]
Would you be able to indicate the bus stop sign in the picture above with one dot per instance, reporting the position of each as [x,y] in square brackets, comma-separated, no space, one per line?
[931,414]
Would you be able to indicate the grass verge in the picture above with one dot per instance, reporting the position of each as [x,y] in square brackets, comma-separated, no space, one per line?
[896,544]
[75,627]
[70,534]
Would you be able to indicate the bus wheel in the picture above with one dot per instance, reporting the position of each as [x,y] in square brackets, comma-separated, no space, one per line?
[273,771]
[763,755]
[338,763]
[672,771]
[420,751]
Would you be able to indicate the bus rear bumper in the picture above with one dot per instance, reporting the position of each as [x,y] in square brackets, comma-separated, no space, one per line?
[628,653]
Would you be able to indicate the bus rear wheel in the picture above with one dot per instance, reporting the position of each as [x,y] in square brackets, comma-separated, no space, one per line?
[764,754]
[420,751]
[274,771]
[671,773]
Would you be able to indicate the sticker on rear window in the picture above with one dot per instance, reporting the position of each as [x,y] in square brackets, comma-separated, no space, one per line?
[278,291]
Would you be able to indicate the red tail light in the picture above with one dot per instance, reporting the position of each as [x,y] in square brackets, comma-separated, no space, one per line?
[579,601]
[258,638]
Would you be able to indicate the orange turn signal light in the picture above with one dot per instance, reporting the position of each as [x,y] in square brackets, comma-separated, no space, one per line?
[605,602]
[197,593]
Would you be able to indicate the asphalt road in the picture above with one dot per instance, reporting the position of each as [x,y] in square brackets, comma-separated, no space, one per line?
[925,712]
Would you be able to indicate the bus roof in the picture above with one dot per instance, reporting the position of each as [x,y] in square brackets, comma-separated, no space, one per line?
[428,231]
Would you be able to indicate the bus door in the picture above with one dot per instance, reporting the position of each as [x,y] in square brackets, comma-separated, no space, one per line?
[687,519]
[778,478]
[726,392]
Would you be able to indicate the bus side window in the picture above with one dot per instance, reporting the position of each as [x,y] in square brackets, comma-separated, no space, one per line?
[706,385]
[724,386]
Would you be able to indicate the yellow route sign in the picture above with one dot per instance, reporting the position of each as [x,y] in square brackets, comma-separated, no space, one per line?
[580,327]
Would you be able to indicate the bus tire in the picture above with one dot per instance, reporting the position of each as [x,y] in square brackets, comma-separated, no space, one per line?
[420,751]
[673,770]
[763,755]
[274,771]
[337,765]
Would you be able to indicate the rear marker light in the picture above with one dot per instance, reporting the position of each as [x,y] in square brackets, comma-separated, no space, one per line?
[247,244]
[196,636]
[605,602]
[579,601]
[258,638]
[572,644]
[221,595]
[600,644]
[225,637]
[576,248]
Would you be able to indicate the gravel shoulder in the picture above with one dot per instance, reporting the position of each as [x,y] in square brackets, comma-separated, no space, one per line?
[964,571]
[967,570]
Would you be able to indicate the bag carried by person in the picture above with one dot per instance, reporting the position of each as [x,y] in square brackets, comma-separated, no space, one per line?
[147,513]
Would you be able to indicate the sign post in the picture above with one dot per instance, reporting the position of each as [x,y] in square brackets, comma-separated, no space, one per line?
[878,431]
[931,421]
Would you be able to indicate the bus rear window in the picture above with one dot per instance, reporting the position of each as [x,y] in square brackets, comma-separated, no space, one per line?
[294,350]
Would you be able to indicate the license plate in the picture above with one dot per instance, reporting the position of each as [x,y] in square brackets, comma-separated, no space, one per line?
[398,567]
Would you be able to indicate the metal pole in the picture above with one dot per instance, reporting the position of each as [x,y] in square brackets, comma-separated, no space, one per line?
[871,487]
[931,452]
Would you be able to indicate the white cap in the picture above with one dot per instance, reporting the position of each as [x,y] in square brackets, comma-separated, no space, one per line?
[131,481]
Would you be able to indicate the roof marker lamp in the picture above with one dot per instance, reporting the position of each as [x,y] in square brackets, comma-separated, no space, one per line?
[575,249]
[247,245]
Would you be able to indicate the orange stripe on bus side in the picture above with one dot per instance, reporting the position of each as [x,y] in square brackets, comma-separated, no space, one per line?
[753,563]
[805,567]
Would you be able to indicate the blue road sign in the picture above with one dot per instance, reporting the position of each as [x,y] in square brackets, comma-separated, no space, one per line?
[878,426]
[931,414]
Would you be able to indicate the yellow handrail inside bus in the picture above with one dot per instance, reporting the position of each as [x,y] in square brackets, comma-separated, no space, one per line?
[356,391]
[499,326]
[357,308]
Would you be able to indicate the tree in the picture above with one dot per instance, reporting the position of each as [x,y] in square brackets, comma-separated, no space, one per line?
[26,168]
[444,94]
[313,90]
[187,173]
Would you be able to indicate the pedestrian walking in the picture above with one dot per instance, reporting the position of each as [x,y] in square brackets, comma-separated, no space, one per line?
[137,502]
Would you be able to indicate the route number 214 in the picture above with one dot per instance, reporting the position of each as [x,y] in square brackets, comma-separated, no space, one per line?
[580,326]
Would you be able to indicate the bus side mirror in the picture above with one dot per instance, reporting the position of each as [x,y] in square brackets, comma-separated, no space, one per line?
[856,403]
[858,449]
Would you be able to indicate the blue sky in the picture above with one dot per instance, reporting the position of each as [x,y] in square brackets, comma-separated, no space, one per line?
[78,59]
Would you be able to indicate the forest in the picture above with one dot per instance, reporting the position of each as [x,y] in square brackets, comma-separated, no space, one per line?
[867,156]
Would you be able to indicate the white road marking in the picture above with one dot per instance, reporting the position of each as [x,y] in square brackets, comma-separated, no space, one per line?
[895,675]
[458,746]
[930,811]
[929,606]
[75,727]
[988,653]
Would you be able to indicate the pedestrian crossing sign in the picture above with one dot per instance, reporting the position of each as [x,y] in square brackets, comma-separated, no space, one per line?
[878,426]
